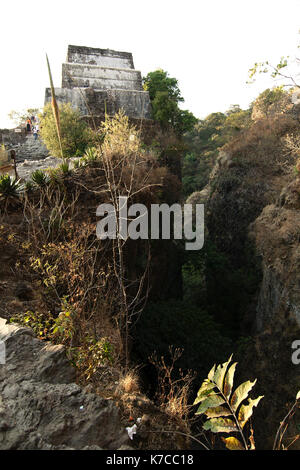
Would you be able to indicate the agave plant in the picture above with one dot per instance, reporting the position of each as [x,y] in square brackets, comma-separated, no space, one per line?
[77,163]
[9,186]
[64,168]
[28,186]
[54,175]
[225,409]
[39,178]
[91,155]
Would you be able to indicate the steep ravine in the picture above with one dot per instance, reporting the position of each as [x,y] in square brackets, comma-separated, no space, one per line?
[253,221]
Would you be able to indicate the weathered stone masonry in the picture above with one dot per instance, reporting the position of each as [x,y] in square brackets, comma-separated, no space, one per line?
[97,79]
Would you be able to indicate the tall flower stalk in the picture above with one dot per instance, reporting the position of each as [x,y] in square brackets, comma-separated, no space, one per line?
[55,108]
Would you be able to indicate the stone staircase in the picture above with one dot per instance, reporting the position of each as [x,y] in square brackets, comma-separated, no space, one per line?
[31,149]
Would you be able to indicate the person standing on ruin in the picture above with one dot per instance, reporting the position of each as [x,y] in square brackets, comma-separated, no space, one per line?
[35,132]
[28,125]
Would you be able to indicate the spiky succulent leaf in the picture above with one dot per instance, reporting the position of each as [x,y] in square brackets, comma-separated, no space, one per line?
[10,186]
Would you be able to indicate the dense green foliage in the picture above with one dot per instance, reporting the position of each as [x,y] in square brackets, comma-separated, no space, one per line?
[203,142]
[165,97]
[9,186]
[75,133]
[270,100]
[182,325]
[160,82]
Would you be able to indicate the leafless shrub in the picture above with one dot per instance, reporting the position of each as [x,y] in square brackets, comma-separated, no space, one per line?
[173,385]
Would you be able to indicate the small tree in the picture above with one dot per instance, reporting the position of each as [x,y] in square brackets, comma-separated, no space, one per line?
[271,101]
[165,95]
[75,133]
[20,117]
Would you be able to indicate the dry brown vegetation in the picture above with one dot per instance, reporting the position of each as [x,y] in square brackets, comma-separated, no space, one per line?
[260,144]
[58,278]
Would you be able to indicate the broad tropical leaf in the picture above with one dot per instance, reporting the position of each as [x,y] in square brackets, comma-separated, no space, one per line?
[246,410]
[232,443]
[210,402]
[220,373]
[241,393]
[211,373]
[218,400]
[220,425]
[228,381]
[217,412]
[205,390]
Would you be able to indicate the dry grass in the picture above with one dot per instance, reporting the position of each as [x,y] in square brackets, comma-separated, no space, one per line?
[173,386]
[262,143]
[129,383]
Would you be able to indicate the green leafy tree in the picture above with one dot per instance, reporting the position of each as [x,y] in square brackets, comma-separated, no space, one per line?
[165,97]
[271,100]
[75,133]
[185,121]
[20,117]
[236,120]
[203,142]
[159,81]
[280,71]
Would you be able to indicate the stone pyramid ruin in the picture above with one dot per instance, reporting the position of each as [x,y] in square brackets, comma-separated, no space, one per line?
[98,80]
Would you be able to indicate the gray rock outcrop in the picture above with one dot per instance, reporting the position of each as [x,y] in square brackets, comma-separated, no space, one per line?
[41,407]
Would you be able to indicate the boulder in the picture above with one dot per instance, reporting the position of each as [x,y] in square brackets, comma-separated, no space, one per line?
[41,407]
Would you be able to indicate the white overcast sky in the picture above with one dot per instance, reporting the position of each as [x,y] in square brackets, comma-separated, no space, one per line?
[208,45]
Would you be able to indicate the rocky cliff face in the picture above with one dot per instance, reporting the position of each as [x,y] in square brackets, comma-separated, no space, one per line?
[41,407]
[277,317]
[253,221]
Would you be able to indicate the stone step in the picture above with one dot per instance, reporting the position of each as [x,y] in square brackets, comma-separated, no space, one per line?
[31,149]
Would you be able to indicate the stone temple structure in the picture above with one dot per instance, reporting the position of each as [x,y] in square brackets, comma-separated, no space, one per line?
[95,80]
